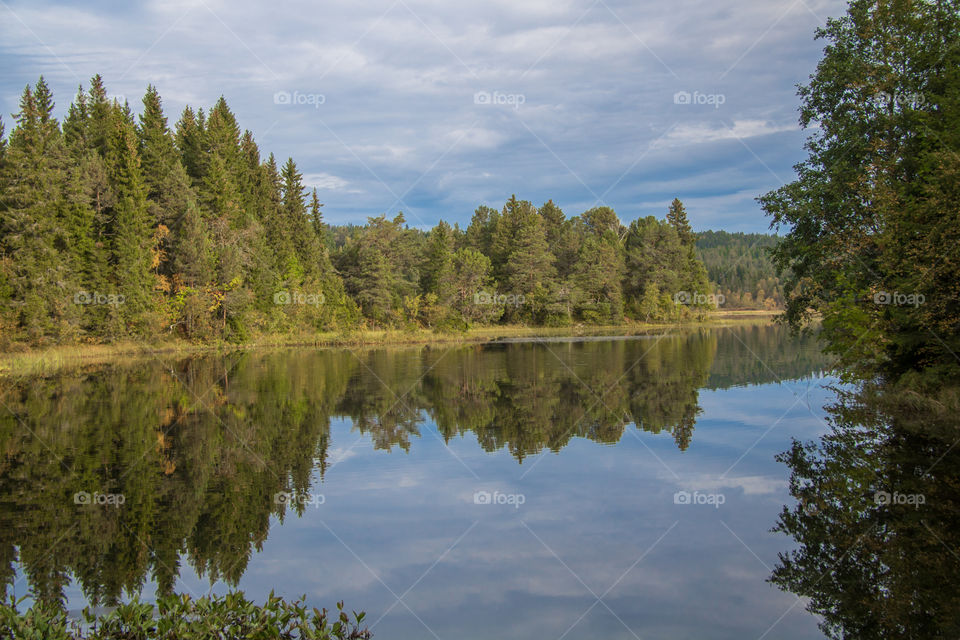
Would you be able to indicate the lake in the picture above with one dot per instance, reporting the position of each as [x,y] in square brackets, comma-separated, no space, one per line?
[564,488]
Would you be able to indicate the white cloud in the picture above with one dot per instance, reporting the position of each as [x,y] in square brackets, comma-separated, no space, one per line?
[704,133]
[326,181]
[399,86]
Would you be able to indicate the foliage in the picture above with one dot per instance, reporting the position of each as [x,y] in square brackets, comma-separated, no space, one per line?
[876,520]
[873,219]
[179,617]
[118,227]
[742,269]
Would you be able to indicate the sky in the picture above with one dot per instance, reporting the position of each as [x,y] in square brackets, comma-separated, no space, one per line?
[433,108]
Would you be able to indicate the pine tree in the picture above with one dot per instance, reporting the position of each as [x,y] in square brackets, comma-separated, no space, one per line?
[470,277]
[439,262]
[101,117]
[528,273]
[190,143]
[677,217]
[276,225]
[483,224]
[222,137]
[316,219]
[40,285]
[600,267]
[304,236]
[158,157]
[193,256]
[131,231]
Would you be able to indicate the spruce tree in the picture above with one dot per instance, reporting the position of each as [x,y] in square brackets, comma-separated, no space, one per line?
[276,224]
[527,272]
[190,143]
[131,232]
[304,236]
[600,267]
[677,217]
[40,285]
[439,262]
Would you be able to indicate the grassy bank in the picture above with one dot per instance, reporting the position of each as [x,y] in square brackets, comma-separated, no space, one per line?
[47,360]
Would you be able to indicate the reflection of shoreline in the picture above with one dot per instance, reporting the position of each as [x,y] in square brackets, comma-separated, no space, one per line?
[53,359]
[875,520]
[200,447]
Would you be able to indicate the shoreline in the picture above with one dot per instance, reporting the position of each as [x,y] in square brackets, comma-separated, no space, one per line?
[53,359]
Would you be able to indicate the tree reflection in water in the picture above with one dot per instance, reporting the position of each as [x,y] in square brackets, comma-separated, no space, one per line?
[877,517]
[199,447]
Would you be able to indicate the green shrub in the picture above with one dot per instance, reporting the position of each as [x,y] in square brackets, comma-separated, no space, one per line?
[178,617]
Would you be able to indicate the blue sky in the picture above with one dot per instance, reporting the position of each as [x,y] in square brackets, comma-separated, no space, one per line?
[433,108]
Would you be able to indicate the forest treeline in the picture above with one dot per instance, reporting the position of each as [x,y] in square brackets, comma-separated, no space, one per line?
[115,225]
[741,268]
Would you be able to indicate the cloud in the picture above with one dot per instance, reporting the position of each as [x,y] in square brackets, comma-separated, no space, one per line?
[704,133]
[399,79]
[326,181]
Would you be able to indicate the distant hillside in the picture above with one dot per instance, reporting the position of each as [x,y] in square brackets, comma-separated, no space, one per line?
[739,265]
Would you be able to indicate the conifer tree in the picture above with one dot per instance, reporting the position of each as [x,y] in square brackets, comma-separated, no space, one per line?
[439,262]
[193,257]
[316,219]
[279,233]
[677,217]
[526,270]
[40,285]
[131,231]
[600,267]
[303,234]
[190,143]
[483,224]
[101,116]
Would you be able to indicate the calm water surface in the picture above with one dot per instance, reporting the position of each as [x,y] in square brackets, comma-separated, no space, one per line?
[615,488]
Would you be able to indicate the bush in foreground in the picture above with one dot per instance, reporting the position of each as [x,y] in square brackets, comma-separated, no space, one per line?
[181,618]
